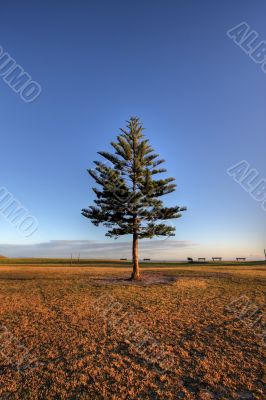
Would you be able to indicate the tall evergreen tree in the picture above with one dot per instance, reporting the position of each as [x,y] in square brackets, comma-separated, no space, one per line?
[128,198]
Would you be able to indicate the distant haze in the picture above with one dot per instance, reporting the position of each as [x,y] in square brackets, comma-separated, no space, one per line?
[171,250]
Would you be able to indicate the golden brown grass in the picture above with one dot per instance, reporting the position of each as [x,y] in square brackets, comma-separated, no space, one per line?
[56,344]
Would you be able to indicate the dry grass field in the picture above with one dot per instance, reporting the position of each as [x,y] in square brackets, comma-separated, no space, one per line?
[83,332]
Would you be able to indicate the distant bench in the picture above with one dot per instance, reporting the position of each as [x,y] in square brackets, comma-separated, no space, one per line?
[241,259]
[202,259]
[217,259]
[123,259]
[146,259]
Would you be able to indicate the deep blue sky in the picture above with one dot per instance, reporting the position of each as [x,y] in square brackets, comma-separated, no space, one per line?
[200,97]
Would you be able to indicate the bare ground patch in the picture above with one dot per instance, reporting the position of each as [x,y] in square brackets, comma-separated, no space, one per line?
[147,279]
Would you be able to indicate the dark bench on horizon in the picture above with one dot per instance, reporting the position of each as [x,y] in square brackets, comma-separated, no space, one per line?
[123,259]
[217,258]
[240,259]
[202,259]
[146,259]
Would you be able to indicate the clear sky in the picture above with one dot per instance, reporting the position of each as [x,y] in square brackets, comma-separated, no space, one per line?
[201,99]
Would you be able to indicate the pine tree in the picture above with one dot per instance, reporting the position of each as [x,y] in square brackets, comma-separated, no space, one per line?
[128,198]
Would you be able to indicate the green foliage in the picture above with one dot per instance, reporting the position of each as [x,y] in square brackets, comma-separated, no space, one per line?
[129,198]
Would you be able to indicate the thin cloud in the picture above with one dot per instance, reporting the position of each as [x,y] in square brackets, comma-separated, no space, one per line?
[156,249]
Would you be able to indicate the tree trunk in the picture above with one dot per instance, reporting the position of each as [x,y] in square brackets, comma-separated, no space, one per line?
[135,257]
[135,249]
